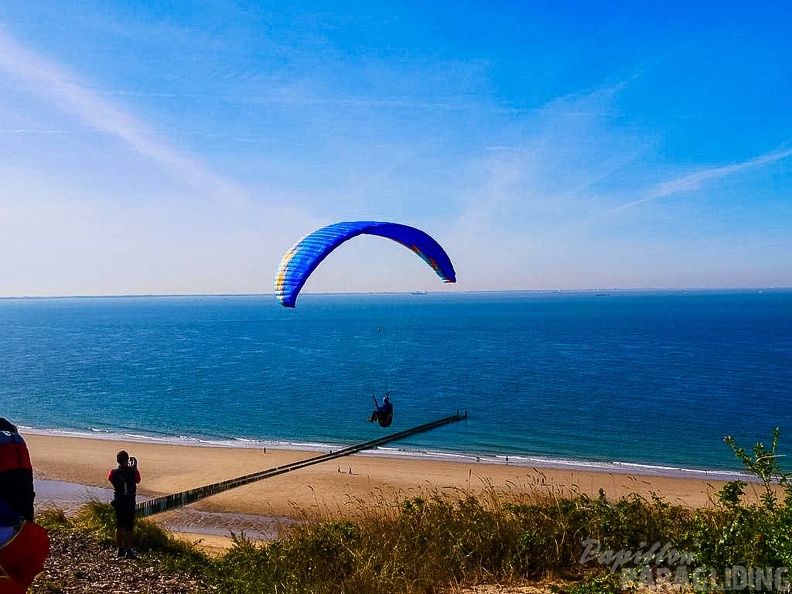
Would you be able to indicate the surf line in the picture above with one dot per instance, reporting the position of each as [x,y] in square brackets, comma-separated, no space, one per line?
[168,502]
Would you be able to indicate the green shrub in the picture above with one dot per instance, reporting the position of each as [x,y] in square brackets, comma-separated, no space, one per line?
[52,519]
[598,583]
[98,519]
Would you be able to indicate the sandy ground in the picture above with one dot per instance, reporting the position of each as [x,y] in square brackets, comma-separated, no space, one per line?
[340,488]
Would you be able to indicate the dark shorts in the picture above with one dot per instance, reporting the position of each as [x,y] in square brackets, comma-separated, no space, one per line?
[125,514]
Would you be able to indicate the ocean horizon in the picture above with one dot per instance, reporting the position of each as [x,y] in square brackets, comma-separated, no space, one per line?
[624,381]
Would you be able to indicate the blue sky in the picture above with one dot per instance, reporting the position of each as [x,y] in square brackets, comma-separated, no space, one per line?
[150,147]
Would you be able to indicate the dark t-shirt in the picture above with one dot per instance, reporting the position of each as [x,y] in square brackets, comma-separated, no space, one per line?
[125,480]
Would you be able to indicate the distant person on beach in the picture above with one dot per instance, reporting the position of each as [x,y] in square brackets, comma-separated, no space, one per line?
[382,414]
[24,545]
[124,479]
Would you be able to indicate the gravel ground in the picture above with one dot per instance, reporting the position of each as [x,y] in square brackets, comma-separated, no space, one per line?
[78,563]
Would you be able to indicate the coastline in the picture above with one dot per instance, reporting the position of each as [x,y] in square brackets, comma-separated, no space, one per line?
[339,489]
[389,451]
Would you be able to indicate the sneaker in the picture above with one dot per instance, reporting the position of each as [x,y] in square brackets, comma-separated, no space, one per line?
[121,553]
[131,554]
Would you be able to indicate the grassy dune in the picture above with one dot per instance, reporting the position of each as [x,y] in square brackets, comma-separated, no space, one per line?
[444,543]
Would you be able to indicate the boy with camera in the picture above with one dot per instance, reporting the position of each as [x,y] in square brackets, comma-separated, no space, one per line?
[124,479]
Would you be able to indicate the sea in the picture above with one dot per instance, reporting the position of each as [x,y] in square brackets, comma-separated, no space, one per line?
[638,381]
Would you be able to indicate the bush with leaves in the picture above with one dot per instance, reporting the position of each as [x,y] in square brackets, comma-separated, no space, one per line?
[751,534]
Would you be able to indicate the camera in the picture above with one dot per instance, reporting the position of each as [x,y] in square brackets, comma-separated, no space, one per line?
[133,461]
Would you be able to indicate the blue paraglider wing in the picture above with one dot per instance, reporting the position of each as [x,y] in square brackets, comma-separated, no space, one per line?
[305,255]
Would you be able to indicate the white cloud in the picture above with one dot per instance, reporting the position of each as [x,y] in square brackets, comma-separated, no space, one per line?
[63,89]
[694,181]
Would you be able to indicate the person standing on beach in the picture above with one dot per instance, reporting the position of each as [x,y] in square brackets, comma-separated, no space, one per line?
[125,479]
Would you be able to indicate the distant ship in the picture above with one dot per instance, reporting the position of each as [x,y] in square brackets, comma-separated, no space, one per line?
[417,292]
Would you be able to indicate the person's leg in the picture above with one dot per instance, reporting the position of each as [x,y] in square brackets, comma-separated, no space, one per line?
[129,534]
[130,552]
[124,518]
[119,536]
[119,533]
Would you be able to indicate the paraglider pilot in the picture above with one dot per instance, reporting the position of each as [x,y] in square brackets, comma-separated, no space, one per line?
[382,414]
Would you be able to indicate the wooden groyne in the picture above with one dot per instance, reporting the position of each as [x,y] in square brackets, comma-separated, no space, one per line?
[168,502]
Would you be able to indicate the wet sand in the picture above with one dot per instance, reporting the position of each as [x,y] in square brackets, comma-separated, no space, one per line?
[341,488]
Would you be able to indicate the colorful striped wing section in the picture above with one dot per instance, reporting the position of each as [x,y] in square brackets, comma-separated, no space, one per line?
[302,259]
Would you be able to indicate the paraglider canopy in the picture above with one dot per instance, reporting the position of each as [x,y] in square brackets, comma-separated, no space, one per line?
[302,259]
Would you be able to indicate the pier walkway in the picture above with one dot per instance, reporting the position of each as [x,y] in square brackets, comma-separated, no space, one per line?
[176,500]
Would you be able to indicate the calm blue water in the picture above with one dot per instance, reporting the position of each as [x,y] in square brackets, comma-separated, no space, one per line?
[644,378]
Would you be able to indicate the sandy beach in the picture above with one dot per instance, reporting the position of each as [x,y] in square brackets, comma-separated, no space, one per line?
[338,489]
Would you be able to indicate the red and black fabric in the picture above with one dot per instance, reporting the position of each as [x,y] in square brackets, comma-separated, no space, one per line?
[16,474]
[24,546]
[124,480]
